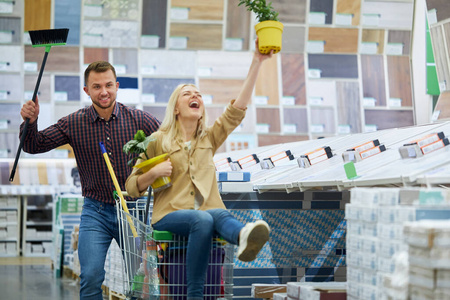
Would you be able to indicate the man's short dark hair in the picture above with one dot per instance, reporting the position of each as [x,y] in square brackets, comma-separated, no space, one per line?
[99,67]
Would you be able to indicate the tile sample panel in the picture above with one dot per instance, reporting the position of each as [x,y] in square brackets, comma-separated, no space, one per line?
[10,142]
[168,63]
[44,92]
[157,111]
[293,77]
[11,87]
[441,7]
[293,39]
[162,88]
[348,106]
[11,59]
[290,11]
[267,81]
[399,74]
[13,8]
[321,93]
[67,88]
[269,116]
[154,16]
[336,40]
[68,15]
[200,9]
[237,26]
[385,119]
[199,36]
[266,139]
[60,59]
[123,10]
[222,91]
[323,6]
[95,54]
[117,34]
[322,120]
[64,109]
[230,64]
[395,15]
[10,113]
[11,29]
[350,7]
[334,65]
[401,37]
[373,80]
[297,117]
[37,14]
[127,58]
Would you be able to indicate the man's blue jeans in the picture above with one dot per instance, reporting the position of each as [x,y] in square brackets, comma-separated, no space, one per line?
[200,226]
[97,229]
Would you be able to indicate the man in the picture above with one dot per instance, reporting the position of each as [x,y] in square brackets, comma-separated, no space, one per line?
[105,121]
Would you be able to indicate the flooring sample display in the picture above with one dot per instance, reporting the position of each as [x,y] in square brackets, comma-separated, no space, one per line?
[67,88]
[442,108]
[266,139]
[220,91]
[60,59]
[395,15]
[112,9]
[293,39]
[373,80]
[197,9]
[128,90]
[439,8]
[95,54]
[125,60]
[349,7]
[161,88]
[348,107]
[369,37]
[198,36]
[10,116]
[267,82]
[247,125]
[11,87]
[440,56]
[68,15]
[321,93]
[399,74]
[267,120]
[13,8]
[157,111]
[64,109]
[44,92]
[333,65]
[322,120]
[11,30]
[295,118]
[290,11]
[154,17]
[37,14]
[384,119]
[9,142]
[402,37]
[322,6]
[231,65]
[11,60]
[168,63]
[336,40]
[237,33]
[98,33]
[293,77]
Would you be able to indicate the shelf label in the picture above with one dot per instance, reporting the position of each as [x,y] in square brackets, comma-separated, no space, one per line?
[432,16]
[3,153]
[315,46]
[262,128]
[315,100]
[6,7]
[30,66]
[233,44]
[288,100]
[207,99]
[371,20]
[148,98]
[370,128]
[204,71]
[317,18]
[3,95]
[26,38]
[150,41]
[314,73]
[395,102]
[61,96]
[4,65]
[317,128]
[435,116]
[148,70]
[369,48]
[344,129]
[179,13]
[290,128]
[442,85]
[6,36]
[260,100]
[394,49]
[4,124]
[93,10]
[369,102]
[344,19]
[120,69]
[178,42]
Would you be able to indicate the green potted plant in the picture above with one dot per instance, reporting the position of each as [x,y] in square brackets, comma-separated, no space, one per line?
[269,29]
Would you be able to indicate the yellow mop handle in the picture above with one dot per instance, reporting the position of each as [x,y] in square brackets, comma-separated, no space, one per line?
[118,189]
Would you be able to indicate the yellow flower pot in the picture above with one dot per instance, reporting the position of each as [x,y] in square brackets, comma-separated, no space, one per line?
[270,36]
[160,183]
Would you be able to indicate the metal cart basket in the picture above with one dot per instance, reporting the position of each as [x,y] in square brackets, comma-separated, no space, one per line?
[154,260]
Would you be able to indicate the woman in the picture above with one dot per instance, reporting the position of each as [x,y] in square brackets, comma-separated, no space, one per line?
[192,206]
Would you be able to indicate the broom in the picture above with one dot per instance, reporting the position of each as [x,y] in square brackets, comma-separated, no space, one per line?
[40,38]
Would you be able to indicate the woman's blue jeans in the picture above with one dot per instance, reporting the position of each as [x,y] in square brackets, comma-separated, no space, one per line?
[200,226]
[98,227]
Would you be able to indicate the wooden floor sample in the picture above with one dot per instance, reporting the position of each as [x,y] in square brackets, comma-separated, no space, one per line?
[352,7]
[222,90]
[267,81]
[374,36]
[337,40]
[373,80]
[201,9]
[399,74]
[403,37]
[293,74]
[266,140]
[95,54]
[37,14]
[348,105]
[199,36]
[238,23]
[60,59]
[385,119]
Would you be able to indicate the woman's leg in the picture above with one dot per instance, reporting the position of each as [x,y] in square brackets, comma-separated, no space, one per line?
[198,226]
[226,225]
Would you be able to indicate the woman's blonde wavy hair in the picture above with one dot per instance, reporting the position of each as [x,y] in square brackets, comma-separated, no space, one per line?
[169,128]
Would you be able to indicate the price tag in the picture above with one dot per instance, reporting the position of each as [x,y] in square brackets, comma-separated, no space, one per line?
[395,102]
[262,128]
[179,13]
[290,128]
[394,49]
[315,100]
[260,100]
[3,95]
[344,129]
[6,7]
[288,100]
[150,41]
[148,70]
[60,96]
[369,102]
[204,71]
[314,73]
[26,38]
[442,85]
[6,37]
[317,18]
[315,46]
[120,69]
[432,16]
[344,19]
[370,128]
[371,20]
[369,48]
[3,153]
[30,66]
[435,116]
[4,66]
[148,98]
[3,124]
[92,10]
[317,128]
[178,42]
[233,44]
[207,99]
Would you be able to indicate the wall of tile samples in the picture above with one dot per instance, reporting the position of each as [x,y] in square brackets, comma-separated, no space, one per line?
[344,67]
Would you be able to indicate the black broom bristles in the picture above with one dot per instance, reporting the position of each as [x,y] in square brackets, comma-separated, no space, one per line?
[48,37]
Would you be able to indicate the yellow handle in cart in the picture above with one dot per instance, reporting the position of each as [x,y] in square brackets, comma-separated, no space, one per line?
[118,190]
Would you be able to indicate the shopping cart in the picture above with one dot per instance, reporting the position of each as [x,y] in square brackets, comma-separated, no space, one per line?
[155,268]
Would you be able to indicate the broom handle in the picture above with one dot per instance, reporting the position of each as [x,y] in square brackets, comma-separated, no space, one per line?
[27,121]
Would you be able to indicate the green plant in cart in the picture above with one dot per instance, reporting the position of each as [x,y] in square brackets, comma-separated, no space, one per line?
[263,10]
[137,145]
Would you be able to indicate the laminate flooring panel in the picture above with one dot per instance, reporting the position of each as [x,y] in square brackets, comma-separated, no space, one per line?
[247,125]
[334,65]
[321,92]
[224,64]
[11,87]
[385,119]
[267,81]
[324,6]
[12,27]
[157,111]
[201,9]
[98,33]
[290,11]
[60,59]
[322,116]
[270,139]
[402,37]
[238,23]
[11,60]
[441,7]
[199,36]
[351,7]
[374,36]
[270,116]
[349,105]
[293,40]
[162,88]
[443,106]
[114,9]
[126,57]
[440,56]
[221,90]
[168,62]
[67,14]
[10,112]
[154,18]
[15,9]
[293,74]
[392,15]
[296,116]
[336,40]
[95,54]
[10,142]
[37,14]
[44,92]
[399,73]
[373,79]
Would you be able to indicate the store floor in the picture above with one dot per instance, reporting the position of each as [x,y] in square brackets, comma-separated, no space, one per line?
[27,278]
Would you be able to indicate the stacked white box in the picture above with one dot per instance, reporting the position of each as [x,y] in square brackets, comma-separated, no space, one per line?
[114,278]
